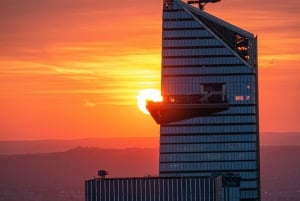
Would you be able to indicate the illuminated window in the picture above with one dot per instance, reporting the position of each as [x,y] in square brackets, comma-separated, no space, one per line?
[239,98]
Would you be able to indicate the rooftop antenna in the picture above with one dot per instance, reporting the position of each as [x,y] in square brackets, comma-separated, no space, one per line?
[202,3]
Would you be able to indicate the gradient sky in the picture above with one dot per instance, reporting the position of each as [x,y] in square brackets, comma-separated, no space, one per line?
[73,68]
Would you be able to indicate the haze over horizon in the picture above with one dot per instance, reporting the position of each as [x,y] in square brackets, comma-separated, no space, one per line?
[73,68]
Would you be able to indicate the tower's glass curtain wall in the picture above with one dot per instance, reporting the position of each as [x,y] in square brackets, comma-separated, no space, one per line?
[203,55]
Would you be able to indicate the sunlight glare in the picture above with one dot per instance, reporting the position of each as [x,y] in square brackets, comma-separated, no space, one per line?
[146,95]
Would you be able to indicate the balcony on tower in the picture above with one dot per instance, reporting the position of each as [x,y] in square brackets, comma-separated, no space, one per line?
[210,100]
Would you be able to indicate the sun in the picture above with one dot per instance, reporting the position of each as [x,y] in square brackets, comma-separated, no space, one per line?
[145,95]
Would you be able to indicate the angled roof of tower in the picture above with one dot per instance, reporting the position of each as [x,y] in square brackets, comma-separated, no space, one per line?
[196,11]
[240,41]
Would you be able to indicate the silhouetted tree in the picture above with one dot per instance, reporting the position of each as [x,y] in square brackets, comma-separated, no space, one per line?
[102,173]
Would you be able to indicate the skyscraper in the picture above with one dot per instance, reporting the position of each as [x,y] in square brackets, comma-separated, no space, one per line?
[209,117]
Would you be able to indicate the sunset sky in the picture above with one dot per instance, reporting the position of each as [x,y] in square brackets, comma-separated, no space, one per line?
[73,68]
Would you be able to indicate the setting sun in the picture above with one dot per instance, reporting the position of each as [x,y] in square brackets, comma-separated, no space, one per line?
[145,95]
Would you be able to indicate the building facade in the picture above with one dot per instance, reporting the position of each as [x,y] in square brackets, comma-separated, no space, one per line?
[206,57]
[217,188]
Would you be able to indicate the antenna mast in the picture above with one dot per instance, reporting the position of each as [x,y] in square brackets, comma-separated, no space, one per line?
[202,3]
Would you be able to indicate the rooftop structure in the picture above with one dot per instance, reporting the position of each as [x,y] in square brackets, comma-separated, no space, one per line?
[202,3]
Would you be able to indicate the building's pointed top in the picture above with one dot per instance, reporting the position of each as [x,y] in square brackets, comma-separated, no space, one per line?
[214,19]
[240,41]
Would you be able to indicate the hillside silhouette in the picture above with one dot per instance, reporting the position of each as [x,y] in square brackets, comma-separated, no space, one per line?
[60,176]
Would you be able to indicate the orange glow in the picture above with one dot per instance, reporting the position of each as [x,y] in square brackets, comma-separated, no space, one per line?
[73,70]
[148,95]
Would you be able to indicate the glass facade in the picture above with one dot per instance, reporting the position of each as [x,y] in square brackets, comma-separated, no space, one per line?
[199,49]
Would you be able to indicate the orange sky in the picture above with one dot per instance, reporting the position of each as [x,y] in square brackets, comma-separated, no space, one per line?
[73,68]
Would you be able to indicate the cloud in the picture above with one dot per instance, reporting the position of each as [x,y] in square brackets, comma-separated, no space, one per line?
[89,104]
[113,49]
[43,29]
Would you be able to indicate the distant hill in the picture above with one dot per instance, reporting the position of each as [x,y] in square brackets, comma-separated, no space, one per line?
[48,146]
[60,176]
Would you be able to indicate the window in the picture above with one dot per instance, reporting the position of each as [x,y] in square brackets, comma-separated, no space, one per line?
[239,98]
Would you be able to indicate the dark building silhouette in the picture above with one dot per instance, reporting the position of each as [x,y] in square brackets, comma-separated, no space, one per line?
[209,124]
[218,188]
[209,116]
